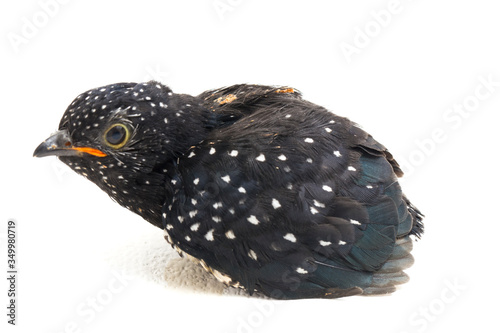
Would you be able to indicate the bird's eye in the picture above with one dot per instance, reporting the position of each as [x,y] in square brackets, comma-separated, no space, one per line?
[117,136]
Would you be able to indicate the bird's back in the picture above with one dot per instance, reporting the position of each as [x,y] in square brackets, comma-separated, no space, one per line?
[289,199]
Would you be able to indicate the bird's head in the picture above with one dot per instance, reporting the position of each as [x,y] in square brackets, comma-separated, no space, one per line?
[126,138]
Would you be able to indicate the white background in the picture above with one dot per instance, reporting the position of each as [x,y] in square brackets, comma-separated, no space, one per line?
[400,84]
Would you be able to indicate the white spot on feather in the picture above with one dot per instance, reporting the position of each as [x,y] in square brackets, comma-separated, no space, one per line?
[230,234]
[308,140]
[324,243]
[355,222]
[252,254]
[300,270]
[226,178]
[210,235]
[290,237]
[252,219]
[261,158]
[276,204]
[319,204]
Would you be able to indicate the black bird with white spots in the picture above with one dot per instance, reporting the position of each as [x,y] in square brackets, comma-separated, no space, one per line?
[267,191]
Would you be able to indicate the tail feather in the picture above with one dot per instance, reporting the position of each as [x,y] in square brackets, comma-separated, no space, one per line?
[378,290]
[396,265]
[402,248]
[389,279]
[391,274]
[418,226]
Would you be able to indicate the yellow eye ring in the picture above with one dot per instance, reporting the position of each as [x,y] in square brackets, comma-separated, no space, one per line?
[116,136]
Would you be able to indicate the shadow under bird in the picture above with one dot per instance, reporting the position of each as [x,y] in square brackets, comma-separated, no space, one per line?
[267,191]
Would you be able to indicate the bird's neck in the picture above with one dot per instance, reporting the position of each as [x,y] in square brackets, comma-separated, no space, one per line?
[155,190]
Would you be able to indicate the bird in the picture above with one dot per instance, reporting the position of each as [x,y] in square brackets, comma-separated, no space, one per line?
[267,191]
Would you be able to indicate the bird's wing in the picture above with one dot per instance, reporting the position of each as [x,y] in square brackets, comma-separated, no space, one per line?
[289,193]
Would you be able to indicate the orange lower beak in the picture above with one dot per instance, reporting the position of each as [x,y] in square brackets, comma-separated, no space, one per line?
[59,144]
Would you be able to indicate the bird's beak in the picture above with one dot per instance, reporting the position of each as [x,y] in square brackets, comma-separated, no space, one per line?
[59,144]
